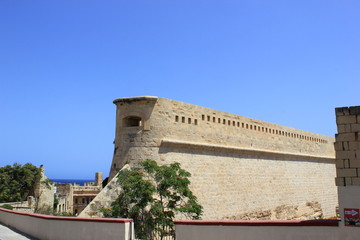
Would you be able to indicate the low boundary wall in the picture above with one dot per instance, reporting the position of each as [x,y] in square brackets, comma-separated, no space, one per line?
[260,230]
[52,227]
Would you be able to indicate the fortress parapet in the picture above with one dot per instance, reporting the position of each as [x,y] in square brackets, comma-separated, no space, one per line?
[237,163]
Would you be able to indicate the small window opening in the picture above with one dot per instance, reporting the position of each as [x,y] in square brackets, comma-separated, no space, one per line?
[183,119]
[219,120]
[189,121]
[132,121]
[234,123]
[203,117]
[195,122]
[229,122]
[208,118]
[224,121]
[176,118]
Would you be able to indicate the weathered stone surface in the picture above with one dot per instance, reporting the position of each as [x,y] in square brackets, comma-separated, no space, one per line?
[355,163]
[339,163]
[346,172]
[354,145]
[342,111]
[309,210]
[348,181]
[237,163]
[338,146]
[356,181]
[347,146]
[345,154]
[355,110]
[346,137]
[340,181]
[104,199]
[344,128]
[345,119]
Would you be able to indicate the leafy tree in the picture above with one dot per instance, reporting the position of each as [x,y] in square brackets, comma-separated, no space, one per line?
[153,195]
[17,182]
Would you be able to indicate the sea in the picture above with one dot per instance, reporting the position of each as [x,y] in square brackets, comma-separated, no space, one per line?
[80,182]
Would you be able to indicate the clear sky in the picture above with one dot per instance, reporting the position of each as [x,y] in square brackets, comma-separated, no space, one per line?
[63,62]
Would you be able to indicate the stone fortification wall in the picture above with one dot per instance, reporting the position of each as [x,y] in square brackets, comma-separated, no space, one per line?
[239,165]
[347,146]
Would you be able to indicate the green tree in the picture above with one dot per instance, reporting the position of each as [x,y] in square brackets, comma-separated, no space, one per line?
[153,195]
[17,182]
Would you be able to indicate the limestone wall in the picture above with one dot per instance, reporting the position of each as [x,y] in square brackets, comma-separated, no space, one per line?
[238,164]
[347,146]
[44,194]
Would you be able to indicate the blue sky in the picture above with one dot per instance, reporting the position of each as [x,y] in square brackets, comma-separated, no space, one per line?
[62,63]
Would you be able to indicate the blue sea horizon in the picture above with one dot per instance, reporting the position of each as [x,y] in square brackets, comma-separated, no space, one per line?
[72,181]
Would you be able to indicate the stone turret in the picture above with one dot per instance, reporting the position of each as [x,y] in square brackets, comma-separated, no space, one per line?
[98,179]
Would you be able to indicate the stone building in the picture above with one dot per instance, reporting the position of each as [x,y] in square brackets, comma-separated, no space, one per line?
[73,198]
[241,168]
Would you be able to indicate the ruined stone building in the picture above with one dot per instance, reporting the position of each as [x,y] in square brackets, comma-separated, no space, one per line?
[43,199]
[73,198]
[241,168]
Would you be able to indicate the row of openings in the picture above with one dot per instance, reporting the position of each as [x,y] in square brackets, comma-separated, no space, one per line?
[188,120]
[261,129]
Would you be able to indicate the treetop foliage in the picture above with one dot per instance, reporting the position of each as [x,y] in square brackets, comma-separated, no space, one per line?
[153,195]
[17,182]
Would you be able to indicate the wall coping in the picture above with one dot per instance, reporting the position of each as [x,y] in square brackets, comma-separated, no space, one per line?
[49,217]
[246,150]
[265,223]
[135,99]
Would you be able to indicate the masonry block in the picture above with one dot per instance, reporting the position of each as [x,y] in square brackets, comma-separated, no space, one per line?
[349,172]
[354,163]
[338,146]
[339,111]
[358,118]
[356,181]
[353,146]
[346,163]
[339,163]
[346,119]
[345,137]
[357,155]
[344,128]
[348,181]
[340,181]
[355,127]
[345,155]
[342,111]
[354,110]
[346,146]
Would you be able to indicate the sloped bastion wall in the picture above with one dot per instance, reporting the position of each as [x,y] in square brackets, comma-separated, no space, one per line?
[241,168]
